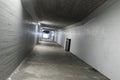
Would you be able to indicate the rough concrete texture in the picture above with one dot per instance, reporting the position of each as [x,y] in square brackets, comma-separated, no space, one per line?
[61,13]
[16,40]
[49,61]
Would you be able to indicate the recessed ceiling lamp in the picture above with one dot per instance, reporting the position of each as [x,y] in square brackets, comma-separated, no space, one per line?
[46,22]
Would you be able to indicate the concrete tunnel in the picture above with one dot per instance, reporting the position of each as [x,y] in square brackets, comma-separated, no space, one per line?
[59,39]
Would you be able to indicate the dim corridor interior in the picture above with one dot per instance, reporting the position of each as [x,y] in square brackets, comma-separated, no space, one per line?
[49,61]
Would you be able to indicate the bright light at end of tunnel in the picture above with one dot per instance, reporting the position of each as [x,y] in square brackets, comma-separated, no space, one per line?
[46,36]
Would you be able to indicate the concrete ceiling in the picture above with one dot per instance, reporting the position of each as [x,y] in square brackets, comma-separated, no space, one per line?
[60,13]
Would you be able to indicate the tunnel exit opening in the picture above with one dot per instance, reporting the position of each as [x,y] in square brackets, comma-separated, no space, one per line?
[46,35]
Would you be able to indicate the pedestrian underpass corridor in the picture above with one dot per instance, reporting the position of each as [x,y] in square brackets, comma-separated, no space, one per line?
[49,61]
[59,39]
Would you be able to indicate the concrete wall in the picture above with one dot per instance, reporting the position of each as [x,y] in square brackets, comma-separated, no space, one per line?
[16,37]
[96,40]
[56,36]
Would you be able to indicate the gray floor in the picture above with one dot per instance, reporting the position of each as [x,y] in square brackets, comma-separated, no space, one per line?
[49,61]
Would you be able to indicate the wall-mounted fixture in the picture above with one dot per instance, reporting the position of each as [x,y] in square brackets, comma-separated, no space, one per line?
[68,43]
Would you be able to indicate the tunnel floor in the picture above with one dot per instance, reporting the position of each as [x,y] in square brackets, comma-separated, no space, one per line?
[49,61]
